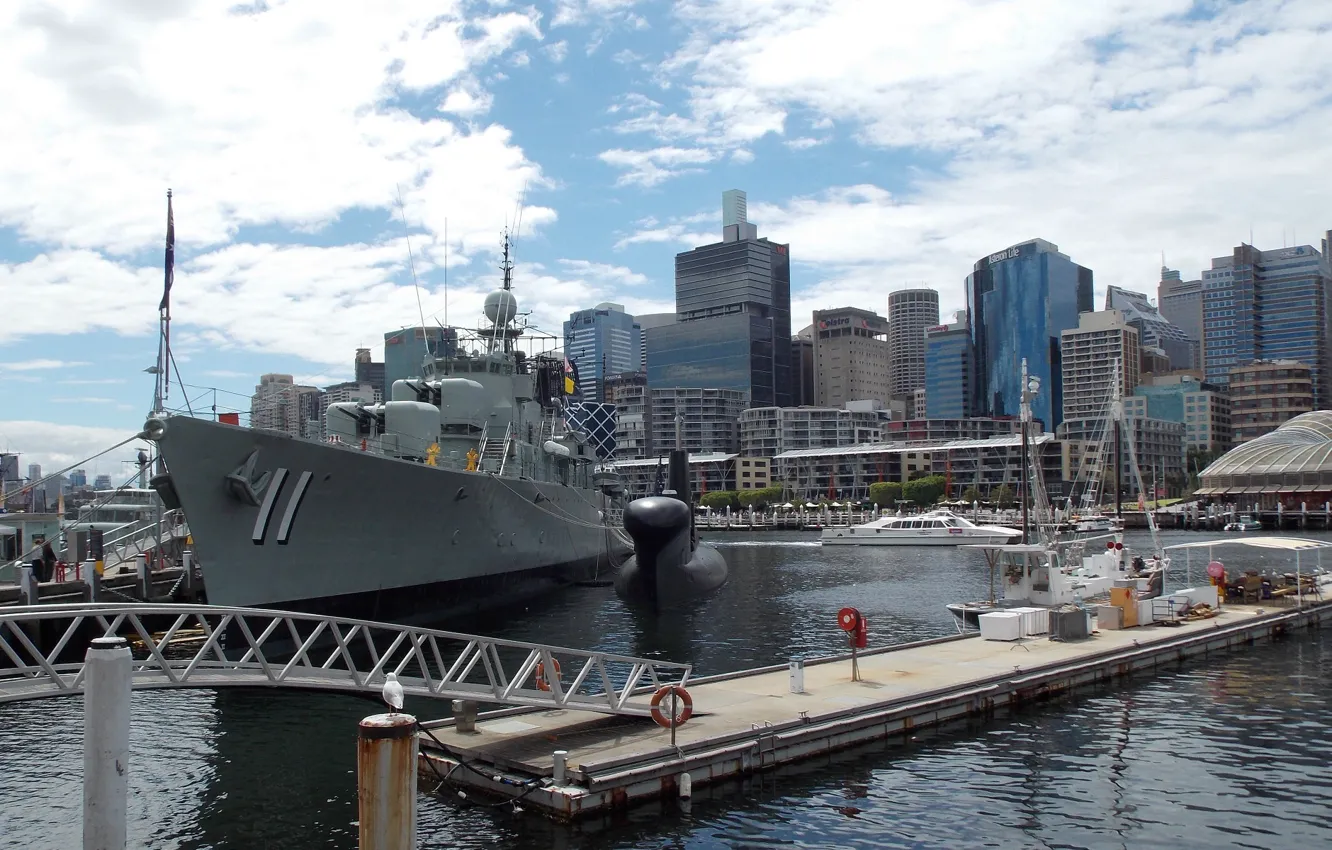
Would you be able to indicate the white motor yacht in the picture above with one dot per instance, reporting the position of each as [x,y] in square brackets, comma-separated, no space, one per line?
[936,528]
[1097,524]
[1246,522]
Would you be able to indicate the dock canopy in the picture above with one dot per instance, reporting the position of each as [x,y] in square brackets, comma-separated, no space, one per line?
[1290,544]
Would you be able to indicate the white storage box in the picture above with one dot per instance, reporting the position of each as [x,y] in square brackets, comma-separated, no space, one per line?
[1145,612]
[1035,621]
[1001,625]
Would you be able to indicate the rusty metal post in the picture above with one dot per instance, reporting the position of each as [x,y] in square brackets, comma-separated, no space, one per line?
[386,755]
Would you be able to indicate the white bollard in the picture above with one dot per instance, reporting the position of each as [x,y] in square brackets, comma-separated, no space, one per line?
[560,763]
[29,587]
[797,669]
[686,785]
[106,727]
[386,755]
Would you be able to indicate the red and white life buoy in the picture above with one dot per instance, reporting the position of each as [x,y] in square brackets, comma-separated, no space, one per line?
[684,703]
[541,683]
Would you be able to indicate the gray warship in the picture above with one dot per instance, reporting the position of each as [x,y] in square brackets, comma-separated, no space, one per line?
[466,489]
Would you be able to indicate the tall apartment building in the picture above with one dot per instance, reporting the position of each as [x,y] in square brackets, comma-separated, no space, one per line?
[769,431]
[602,341]
[1099,356]
[733,299]
[803,381]
[280,404]
[1266,393]
[1269,305]
[851,357]
[944,430]
[1180,302]
[1019,300]
[709,419]
[405,351]
[948,364]
[645,424]
[910,312]
[367,371]
[1154,330]
[1202,408]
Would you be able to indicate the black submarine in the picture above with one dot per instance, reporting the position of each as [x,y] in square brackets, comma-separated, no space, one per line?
[669,567]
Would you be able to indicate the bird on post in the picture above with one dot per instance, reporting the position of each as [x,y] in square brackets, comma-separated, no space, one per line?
[392,693]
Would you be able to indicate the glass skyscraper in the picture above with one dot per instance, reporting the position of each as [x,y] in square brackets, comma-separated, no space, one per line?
[948,370]
[602,342]
[405,351]
[1019,299]
[1268,305]
[733,299]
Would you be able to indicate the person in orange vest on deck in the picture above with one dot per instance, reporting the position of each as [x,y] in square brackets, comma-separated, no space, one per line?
[472,458]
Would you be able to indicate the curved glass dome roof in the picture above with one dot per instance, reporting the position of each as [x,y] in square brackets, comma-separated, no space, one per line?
[1304,444]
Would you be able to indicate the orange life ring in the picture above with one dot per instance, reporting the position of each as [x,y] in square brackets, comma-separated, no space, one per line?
[541,683]
[682,695]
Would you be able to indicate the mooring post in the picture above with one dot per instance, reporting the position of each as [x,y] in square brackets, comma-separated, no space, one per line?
[145,578]
[187,564]
[106,728]
[386,755]
[93,577]
[29,587]
[559,766]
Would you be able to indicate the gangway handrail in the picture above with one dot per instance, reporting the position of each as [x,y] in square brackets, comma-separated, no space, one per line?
[253,647]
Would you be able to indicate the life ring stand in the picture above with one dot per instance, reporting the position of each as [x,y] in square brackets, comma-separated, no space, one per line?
[685,700]
[541,683]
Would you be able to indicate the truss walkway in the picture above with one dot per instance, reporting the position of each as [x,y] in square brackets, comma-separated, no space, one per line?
[204,646]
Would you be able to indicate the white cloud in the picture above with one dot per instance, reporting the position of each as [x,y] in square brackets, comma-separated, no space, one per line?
[467,102]
[742,156]
[106,107]
[626,57]
[576,12]
[57,446]
[801,143]
[1116,130]
[556,51]
[521,59]
[34,365]
[650,167]
[618,275]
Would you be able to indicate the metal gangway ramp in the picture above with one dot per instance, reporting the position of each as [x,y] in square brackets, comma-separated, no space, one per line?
[205,646]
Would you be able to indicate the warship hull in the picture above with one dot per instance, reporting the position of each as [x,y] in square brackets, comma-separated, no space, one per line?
[299,525]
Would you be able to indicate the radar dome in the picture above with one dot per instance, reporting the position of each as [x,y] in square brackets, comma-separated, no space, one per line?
[501,306]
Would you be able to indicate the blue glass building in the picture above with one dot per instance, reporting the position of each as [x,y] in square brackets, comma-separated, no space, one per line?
[1268,305]
[1018,301]
[733,352]
[948,375]
[602,342]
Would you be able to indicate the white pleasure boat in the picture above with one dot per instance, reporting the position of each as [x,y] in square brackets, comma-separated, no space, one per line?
[936,528]
[1097,524]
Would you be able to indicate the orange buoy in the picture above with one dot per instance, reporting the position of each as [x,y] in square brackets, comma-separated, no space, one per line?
[541,683]
[685,702]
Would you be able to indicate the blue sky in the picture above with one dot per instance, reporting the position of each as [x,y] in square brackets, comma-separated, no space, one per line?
[890,143]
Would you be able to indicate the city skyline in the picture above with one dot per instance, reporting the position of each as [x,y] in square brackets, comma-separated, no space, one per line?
[888,164]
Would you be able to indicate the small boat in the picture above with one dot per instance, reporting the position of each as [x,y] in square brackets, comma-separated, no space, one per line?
[936,528]
[1040,575]
[1246,522]
[1097,524]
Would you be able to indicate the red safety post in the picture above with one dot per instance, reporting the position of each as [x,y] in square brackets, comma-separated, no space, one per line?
[856,627]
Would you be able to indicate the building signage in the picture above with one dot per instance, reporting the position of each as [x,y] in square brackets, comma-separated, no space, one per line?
[1006,254]
[844,321]
[936,329]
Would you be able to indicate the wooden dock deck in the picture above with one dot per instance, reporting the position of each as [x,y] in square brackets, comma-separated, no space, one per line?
[750,721]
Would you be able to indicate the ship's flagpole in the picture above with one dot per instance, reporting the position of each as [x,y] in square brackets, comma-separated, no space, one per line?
[164,314]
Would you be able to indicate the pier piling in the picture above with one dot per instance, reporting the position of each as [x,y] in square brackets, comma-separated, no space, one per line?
[106,727]
[386,756]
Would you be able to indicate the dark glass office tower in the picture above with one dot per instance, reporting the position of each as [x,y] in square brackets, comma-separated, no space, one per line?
[733,299]
[1019,299]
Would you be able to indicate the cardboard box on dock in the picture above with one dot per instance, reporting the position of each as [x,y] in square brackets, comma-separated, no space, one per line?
[1109,617]
[1126,599]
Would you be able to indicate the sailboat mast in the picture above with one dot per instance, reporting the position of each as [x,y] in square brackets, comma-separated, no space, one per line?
[1023,419]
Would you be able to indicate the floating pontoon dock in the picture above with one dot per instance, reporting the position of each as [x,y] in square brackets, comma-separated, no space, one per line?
[751,721]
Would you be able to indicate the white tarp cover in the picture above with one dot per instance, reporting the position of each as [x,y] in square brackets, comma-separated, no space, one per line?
[1290,544]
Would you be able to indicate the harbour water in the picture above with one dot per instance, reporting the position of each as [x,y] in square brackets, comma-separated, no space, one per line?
[1231,752]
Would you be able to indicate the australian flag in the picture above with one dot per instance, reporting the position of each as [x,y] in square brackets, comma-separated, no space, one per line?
[170,257]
